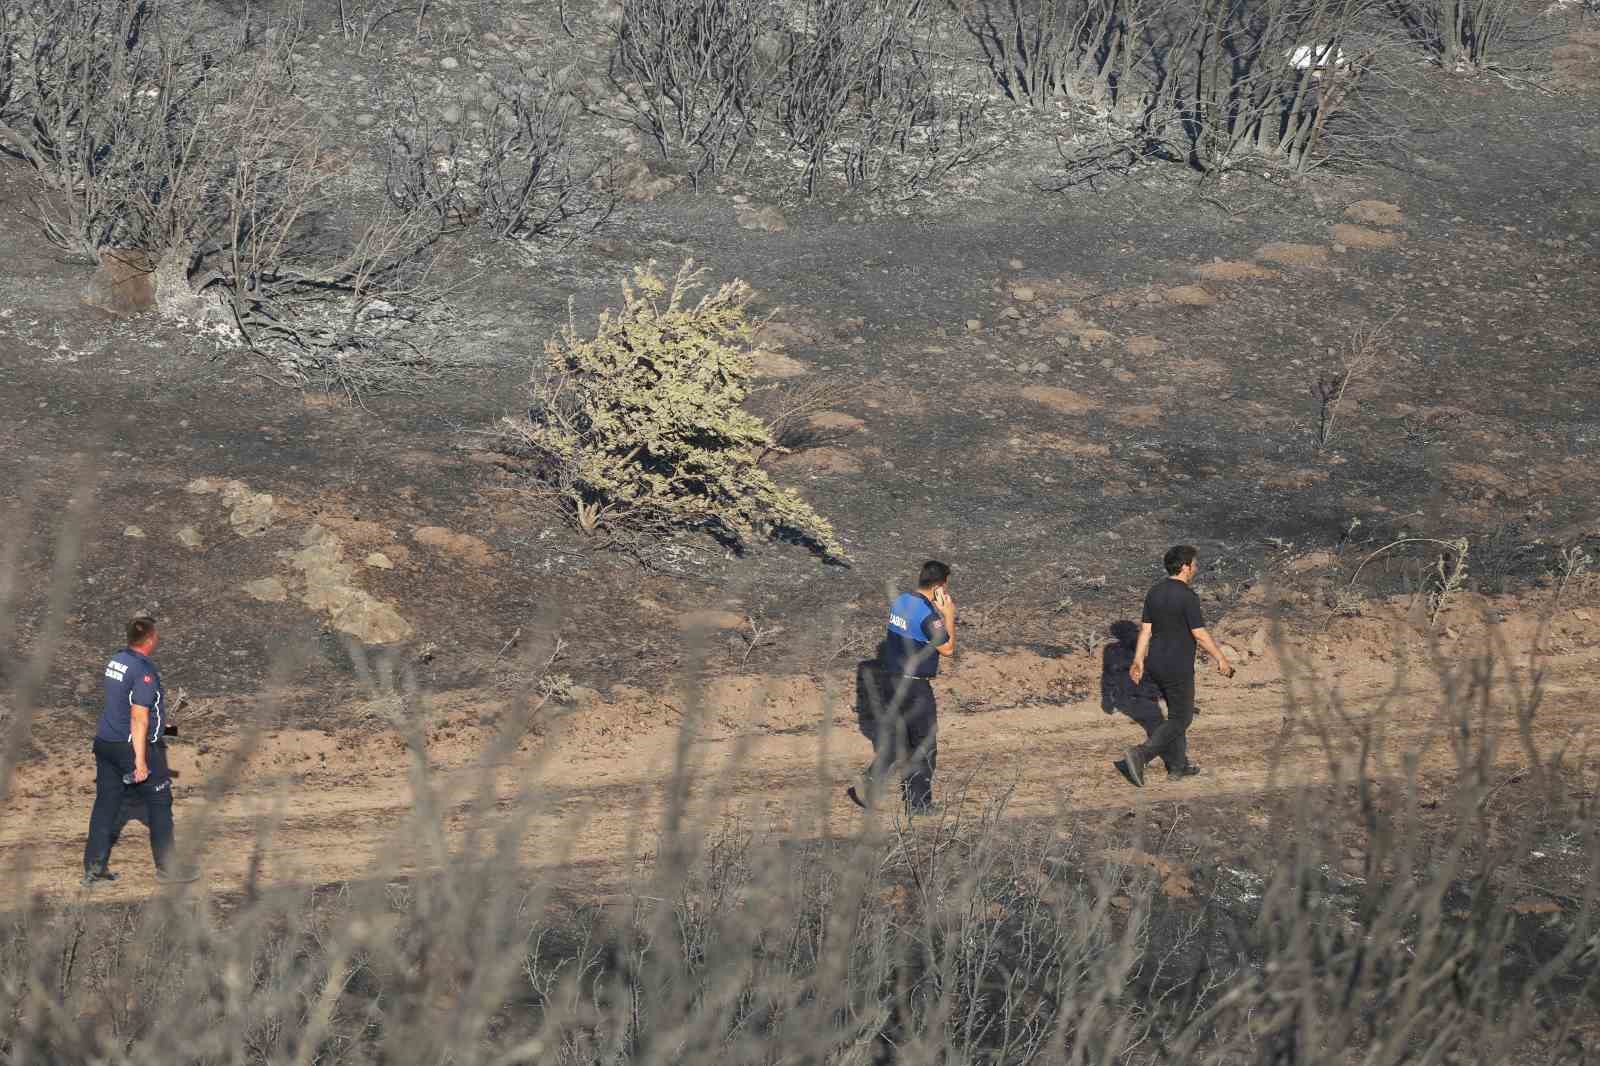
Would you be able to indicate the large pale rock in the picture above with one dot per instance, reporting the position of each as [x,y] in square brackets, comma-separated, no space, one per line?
[124,282]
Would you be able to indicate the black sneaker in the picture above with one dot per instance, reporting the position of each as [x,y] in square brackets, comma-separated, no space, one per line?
[1135,766]
[855,797]
[1188,771]
[1122,768]
[92,876]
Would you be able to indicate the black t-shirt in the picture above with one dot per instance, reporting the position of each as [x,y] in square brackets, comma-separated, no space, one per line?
[1173,611]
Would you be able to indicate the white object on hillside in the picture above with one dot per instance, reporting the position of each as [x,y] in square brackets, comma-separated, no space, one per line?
[1318,59]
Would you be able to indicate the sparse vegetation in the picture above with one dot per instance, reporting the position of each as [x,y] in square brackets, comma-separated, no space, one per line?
[156,142]
[847,89]
[1363,353]
[518,177]
[1571,562]
[1461,35]
[642,427]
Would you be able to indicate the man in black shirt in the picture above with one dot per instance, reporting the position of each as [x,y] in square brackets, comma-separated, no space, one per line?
[1169,632]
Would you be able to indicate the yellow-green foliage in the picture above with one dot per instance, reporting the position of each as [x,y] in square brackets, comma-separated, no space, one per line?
[642,424]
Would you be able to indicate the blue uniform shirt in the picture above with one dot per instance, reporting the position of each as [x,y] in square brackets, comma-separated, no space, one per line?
[916,629]
[131,679]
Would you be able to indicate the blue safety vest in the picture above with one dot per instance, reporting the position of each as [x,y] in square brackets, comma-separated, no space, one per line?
[906,649]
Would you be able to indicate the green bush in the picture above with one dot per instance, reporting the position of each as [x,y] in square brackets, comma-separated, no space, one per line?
[641,427]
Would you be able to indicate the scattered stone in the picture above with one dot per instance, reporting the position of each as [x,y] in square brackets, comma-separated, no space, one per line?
[767,219]
[200,486]
[450,115]
[133,531]
[462,545]
[638,183]
[379,561]
[1144,345]
[1374,212]
[1011,313]
[1061,400]
[1080,329]
[365,119]
[1024,294]
[1015,264]
[823,460]
[704,620]
[328,590]
[973,325]
[770,364]
[1362,237]
[189,537]
[835,420]
[1232,270]
[253,513]
[1299,256]
[1189,296]
[267,590]
[124,283]
[449,63]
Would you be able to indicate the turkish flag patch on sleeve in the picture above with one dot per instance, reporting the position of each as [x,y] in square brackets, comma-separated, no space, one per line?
[148,679]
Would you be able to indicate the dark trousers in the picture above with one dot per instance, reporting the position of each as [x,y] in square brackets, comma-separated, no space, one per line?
[899,715]
[115,803]
[1170,740]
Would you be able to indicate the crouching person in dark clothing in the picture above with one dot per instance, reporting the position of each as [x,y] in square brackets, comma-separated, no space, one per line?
[130,756]
[894,693]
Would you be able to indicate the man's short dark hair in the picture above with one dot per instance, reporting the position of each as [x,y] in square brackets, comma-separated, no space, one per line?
[933,572]
[1179,557]
[139,630]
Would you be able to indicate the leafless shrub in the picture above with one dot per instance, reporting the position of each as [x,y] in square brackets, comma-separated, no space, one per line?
[860,87]
[849,89]
[519,177]
[147,141]
[1460,35]
[1362,354]
[357,19]
[101,101]
[1264,79]
[1090,52]
[1571,562]
[688,76]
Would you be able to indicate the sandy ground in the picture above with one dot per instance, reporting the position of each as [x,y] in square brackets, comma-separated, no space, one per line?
[316,807]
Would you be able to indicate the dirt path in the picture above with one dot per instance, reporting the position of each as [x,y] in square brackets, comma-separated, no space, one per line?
[319,808]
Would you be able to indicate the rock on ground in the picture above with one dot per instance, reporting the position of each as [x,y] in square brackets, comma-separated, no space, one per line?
[124,283]
[461,545]
[1061,400]
[267,590]
[1232,270]
[1302,256]
[1362,237]
[1374,212]
[1189,296]
[328,590]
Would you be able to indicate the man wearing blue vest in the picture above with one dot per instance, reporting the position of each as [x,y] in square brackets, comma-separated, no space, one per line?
[130,756]
[921,630]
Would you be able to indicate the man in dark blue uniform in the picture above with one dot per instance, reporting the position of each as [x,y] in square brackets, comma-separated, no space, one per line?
[1171,629]
[130,756]
[895,695]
